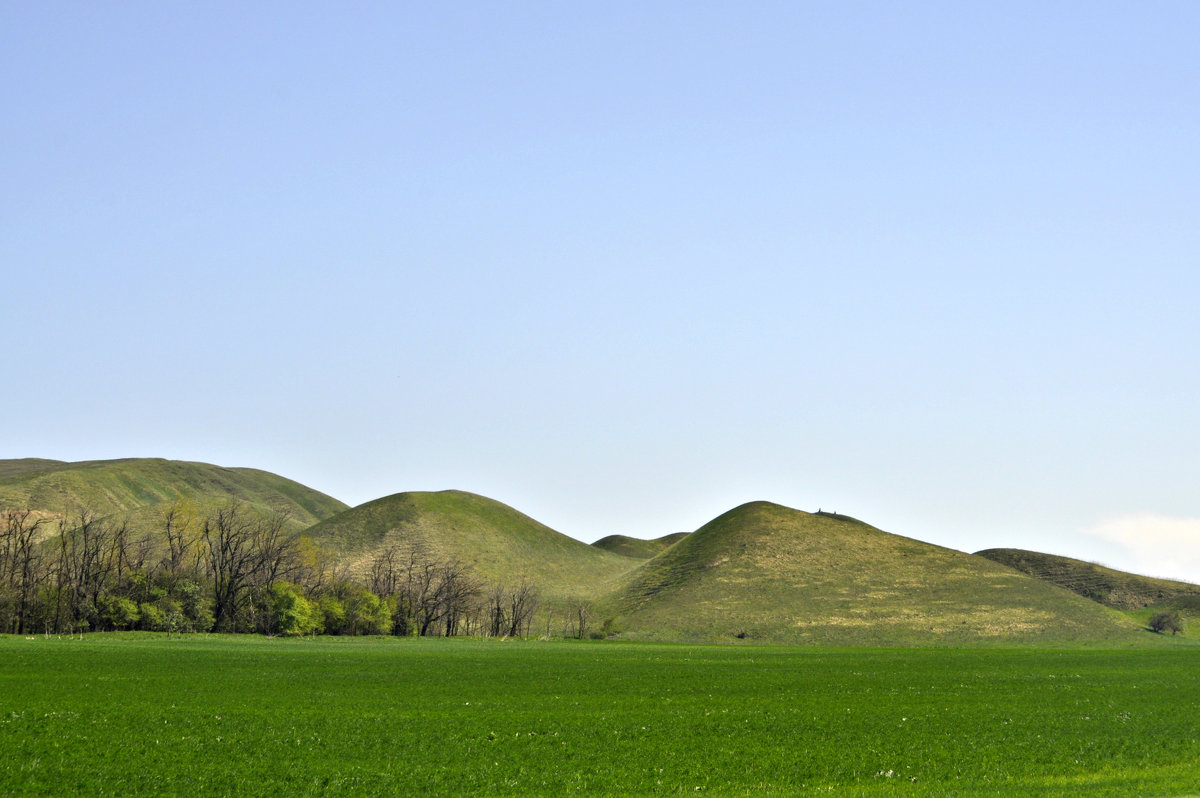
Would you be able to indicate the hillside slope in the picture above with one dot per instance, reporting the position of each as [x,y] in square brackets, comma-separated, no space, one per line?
[770,573]
[140,489]
[502,545]
[638,548]
[1110,587]
[12,468]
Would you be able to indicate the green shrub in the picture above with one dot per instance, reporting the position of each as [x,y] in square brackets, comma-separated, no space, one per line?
[152,618]
[291,613]
[197,607]
[1166,622]
[333,615]
[118,612]
[366,614]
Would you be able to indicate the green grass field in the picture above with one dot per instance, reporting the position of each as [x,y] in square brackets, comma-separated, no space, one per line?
[143,715]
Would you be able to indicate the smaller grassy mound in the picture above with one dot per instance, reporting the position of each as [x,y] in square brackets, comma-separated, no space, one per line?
[1112,588]
[502,545]
[773,574]
[636,547]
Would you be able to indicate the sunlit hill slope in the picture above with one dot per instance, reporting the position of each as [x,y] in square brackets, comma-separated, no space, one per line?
[502,545]
[139,490]
[770,573]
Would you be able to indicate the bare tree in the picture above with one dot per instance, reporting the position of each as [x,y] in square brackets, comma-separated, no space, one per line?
[232,562]
[456,593]
[497,610]
[123,553]
[583,615]
[384,576]
[277,560]
[316,566]
[422,586]
[522,601]
[181,557]
[275,549]
[21,570]
[86,561]
[439,598]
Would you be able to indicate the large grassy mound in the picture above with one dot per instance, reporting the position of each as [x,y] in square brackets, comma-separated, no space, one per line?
[502,545]
[1118,589]
[140,490]
[638,548]
[771,573]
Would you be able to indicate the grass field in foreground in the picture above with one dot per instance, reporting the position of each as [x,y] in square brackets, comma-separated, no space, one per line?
[143,715]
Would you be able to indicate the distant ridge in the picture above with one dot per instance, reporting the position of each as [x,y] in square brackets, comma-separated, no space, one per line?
[501,544]
[766,572]
[1110,587]
[638,548]
[139,490]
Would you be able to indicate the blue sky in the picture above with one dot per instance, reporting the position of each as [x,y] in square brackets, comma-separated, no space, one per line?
[623,266]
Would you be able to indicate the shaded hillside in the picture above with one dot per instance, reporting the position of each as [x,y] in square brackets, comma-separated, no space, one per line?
[636,547]
[771,573]
[502,545]
[1108,586]
[141,489]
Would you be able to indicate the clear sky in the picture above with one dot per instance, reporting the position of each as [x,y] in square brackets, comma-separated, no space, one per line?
[623,266]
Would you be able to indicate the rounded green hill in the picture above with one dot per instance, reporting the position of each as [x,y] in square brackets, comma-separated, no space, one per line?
[502,545]
[770,573]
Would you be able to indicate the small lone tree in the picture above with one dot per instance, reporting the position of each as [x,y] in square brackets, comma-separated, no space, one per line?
[1166,621]
[583,614]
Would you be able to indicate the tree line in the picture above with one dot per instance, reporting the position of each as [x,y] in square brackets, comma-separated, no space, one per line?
[235,571]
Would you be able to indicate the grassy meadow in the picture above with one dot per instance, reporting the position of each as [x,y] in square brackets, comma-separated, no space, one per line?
[138,714]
